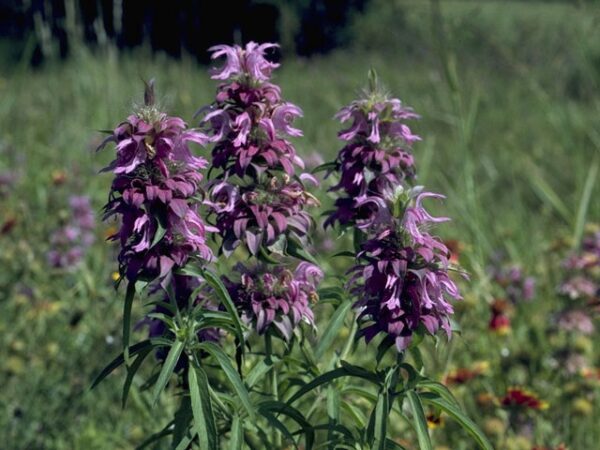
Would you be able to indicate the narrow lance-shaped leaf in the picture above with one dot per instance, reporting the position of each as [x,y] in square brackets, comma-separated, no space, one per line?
[226,300]
[204,421]
[336,322]
[419,419]
[330,376]
[231,374]
[381,418]
[127,319]
[119,360]
[466,423]
[131,371]
[167,369]
[237,434]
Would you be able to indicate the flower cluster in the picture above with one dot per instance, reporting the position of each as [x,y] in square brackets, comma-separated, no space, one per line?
[258,213]
[249,124]
[70,242]
[156,179]
[249,121]
[401,279]
[276,297]
[376,156]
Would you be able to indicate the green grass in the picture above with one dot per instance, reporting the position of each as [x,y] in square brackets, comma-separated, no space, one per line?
[510,137]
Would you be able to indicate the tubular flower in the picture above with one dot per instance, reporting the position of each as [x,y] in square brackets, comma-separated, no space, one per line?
[376,156]
[276,298]
[401,279]
[258,214]
[156,178]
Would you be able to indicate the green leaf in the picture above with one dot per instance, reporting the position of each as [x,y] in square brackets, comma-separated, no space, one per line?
[297,250]
[156,436]
[391,445]
[231,374]
[237,434]
[265,256]
[119,360]
[333,412]
[467,424]
[439,389]
[260,370]
[345,253]
[127,318]
[160,233]
[215,282]
[275,406]
[381,418]
[546,193]
[276,423]
[355,413]
[185,442]
[420,421]
[332,375]
[204,421]
[335,323]
[584,203]
[323,167]
[183,417]
[131,371]
[167,370]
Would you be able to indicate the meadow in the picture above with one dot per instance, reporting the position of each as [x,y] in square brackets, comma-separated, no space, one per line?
[509,99]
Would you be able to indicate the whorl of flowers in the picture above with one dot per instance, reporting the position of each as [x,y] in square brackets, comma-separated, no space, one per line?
[401,279]
[258,213]
[275,298]
[376,156]
[156,180]
[69,243]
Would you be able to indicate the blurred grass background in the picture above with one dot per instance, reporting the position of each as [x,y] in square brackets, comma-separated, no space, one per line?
[510,104]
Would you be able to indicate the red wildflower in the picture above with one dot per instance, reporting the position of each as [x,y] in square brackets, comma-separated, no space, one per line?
[516,397]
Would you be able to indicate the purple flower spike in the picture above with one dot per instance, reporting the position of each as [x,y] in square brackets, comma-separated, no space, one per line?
[401,279]
[156,179]
[377,155]
[252,201]
[276,298]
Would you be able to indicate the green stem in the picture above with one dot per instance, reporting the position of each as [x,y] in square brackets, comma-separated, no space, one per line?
[274,385]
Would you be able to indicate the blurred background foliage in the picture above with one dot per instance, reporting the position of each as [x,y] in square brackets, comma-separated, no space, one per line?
[510,101]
